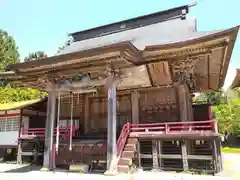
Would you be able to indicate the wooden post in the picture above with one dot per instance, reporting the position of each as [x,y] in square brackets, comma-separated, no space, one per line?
[155,154]
[159,154]
[86,114]
[111,149]
[185,105]
[135,107]
[139,154]
[49,128]
[19,155]
[217,159]
[184,155]
[20,123]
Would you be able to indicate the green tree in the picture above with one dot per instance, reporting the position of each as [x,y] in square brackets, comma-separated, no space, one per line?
[34,56]
[9,94]
[9,55]
[226,105]
[215,97]
[8,50]
[227,109]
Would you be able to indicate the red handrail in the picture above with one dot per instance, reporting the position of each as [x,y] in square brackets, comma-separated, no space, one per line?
[123,138]
[40,132]
[165,128]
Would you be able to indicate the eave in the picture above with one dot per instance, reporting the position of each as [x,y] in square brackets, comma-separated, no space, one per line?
[213,49]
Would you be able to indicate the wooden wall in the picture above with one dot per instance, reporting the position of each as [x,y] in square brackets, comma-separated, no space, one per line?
[158,105]
[98,112]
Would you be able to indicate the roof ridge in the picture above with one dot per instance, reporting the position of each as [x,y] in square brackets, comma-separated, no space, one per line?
[148,19]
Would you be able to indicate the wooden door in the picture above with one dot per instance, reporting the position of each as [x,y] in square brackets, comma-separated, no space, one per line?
[158,106]
[98,113]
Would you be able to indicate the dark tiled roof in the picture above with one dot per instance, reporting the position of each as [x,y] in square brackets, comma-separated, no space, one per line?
[170,31]
[140,21]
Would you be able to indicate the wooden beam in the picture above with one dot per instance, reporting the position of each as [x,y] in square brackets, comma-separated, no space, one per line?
[112,126]
[86,113]
[185,105]
[139,155]
[177,156]
[50,121]
[184,155]
[135,107]
[155,154]
[160,153]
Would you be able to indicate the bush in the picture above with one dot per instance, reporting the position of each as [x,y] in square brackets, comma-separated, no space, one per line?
[10,94]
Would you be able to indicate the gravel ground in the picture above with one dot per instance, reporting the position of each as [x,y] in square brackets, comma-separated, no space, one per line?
[17,172]
[231,166]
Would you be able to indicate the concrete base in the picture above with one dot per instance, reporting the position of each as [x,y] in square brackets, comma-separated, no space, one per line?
[45,169]
[110,173]
[81,168]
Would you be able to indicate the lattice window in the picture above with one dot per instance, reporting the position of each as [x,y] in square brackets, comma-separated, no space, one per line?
[9,124]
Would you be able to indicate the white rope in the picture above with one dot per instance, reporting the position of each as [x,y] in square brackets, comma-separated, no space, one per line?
[71,123]
[58,121]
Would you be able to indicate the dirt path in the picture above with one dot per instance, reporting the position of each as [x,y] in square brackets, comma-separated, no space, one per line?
[16,172]
[231,165]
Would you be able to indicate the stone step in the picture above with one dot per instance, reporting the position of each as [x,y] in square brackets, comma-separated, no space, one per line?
[123,169]
[125,161]
[127,154]
[132,141]
[130,147]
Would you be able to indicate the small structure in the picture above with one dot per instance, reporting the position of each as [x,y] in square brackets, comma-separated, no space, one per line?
[129,86]
[17,116]
[236,80]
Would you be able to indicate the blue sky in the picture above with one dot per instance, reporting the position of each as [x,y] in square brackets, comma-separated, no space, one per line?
[44,24]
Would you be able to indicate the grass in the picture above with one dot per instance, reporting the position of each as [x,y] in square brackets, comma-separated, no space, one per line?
[231,150]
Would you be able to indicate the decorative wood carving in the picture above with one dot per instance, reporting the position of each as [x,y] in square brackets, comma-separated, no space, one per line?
[160,73]
[184,72]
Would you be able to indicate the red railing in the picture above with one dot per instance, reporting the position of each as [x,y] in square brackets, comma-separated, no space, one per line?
[123,138]
[64,133]
[192,127]
[175,127]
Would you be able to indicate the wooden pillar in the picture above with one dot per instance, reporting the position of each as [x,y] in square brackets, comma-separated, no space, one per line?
[19,154]
[184,155]
[20,123]
[86,114]
[217,158]
[135,107]
[159,154]
[185,104]
[49,128]
[111,146]
[139,154]
[155,154]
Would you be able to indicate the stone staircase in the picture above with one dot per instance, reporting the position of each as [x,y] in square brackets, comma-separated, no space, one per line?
[125,161]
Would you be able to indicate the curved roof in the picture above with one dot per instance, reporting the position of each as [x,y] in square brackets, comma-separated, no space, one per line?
[154,47]
[212,49]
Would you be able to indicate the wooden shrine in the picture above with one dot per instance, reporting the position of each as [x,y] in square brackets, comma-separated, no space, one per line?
[129,86]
